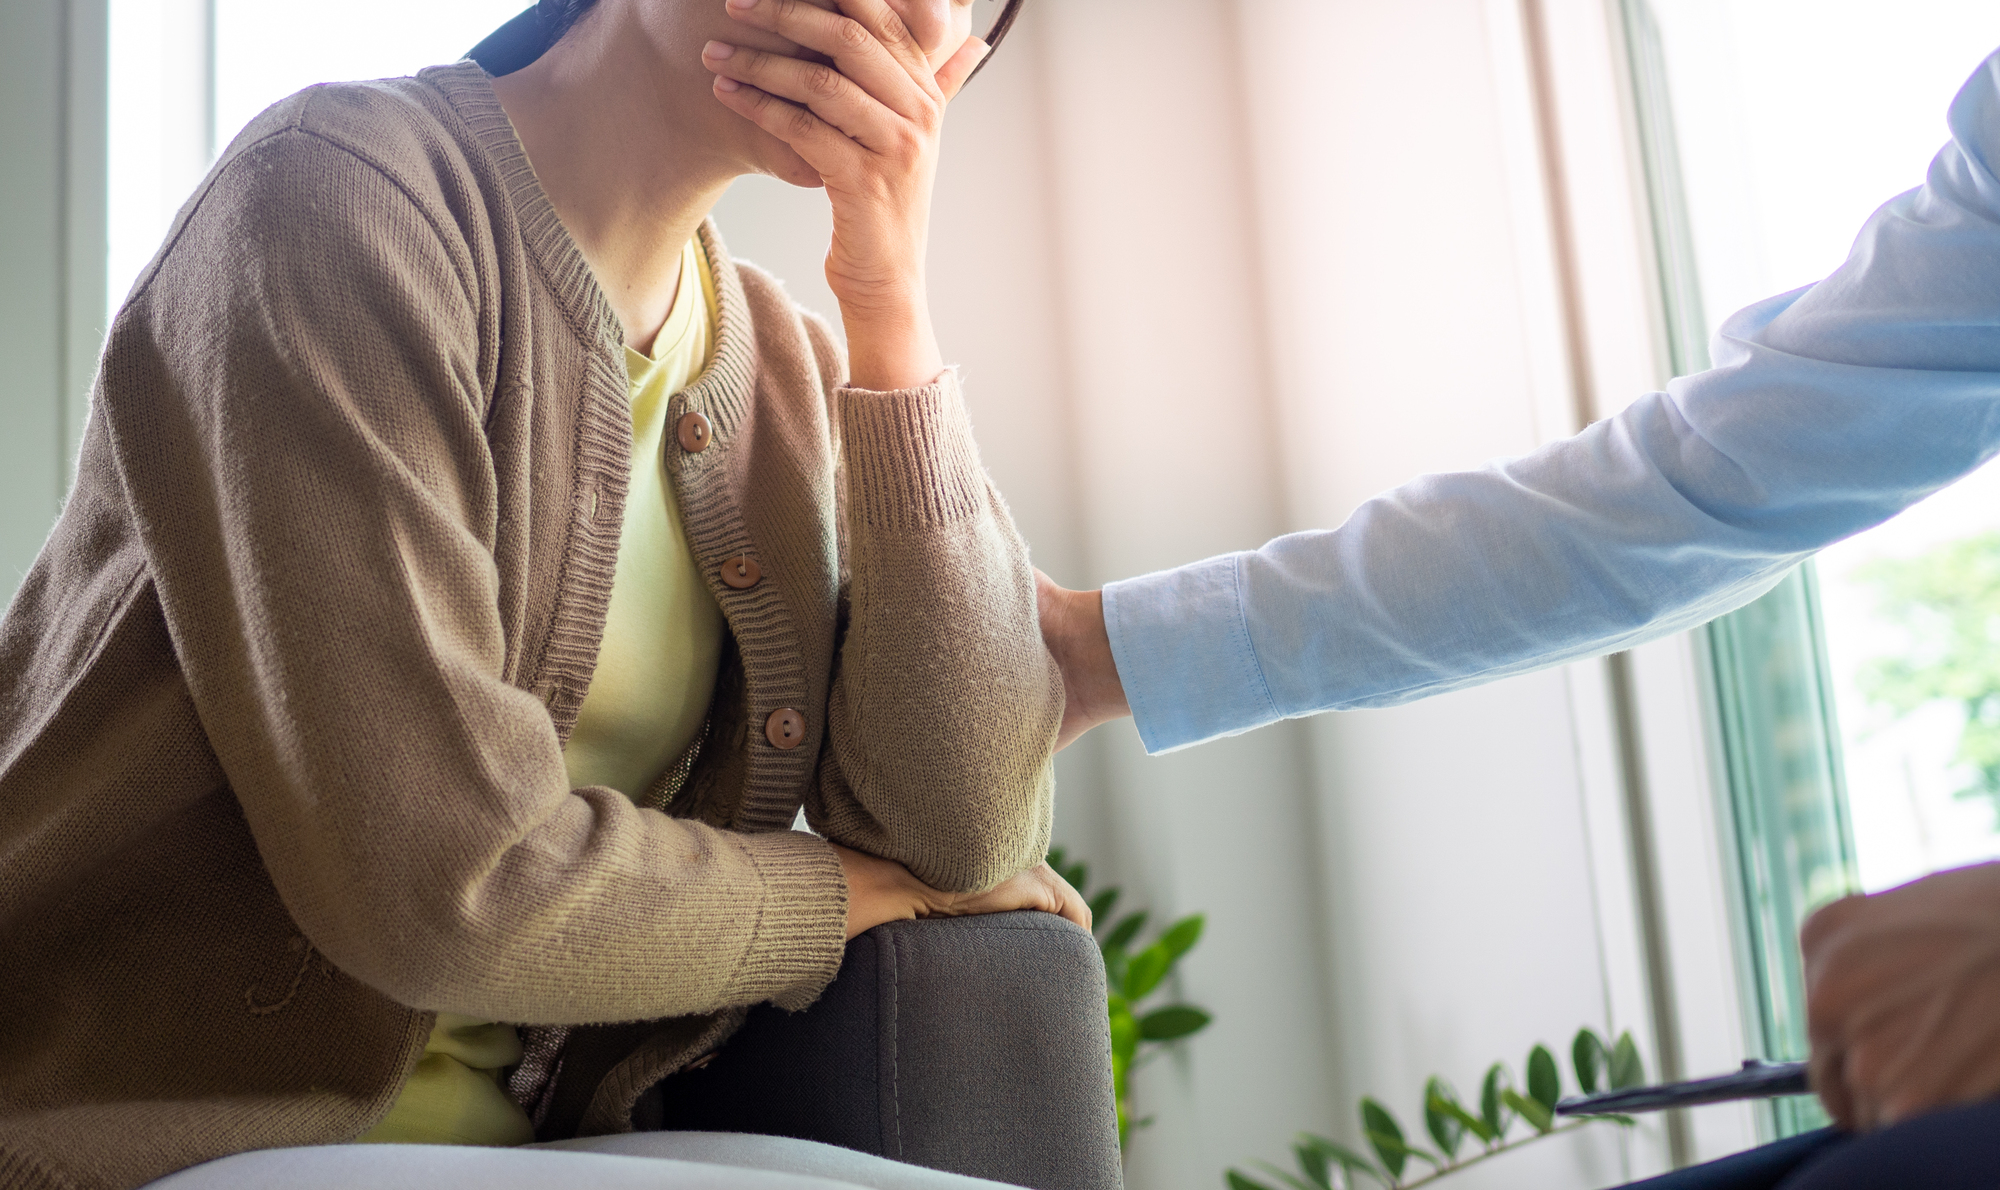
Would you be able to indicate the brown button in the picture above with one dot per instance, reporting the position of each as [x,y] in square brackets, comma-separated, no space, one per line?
[741,572]
[694,432]
[786,729]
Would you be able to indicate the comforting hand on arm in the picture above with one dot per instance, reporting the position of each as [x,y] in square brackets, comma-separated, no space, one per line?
[1830,410]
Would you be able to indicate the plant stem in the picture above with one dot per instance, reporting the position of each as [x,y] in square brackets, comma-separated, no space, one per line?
[1504,1147]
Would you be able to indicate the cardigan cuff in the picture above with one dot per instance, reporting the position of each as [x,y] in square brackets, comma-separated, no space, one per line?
[801,932]
[910,458]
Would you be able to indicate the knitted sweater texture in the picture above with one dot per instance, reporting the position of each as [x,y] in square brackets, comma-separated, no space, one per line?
[283,701]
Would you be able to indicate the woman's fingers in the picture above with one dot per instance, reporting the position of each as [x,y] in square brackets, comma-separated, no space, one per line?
[877,56]
[1039,889]
[1069,902]
[952,75]
[813,139]
[826,91]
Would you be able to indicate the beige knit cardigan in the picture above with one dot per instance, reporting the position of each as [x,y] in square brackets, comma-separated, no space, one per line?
[283,701]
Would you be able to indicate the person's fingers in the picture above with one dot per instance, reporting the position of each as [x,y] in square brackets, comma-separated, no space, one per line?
[959,67]
[1069,903]
[880,57]
[1826,1071]
[829,94]
[813,139]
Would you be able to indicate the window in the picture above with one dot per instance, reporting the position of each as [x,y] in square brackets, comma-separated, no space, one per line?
[1860,746]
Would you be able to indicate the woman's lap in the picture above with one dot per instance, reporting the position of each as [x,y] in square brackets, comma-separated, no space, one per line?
[1956,1149]
[635,1161]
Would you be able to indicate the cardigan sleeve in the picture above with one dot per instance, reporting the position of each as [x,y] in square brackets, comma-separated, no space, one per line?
[942,718]
[297,397]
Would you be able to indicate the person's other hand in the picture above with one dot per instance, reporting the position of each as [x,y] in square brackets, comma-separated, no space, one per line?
[1903,998]
[882,890]
[1073,630]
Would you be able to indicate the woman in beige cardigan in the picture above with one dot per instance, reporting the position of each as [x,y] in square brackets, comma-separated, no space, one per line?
[289,794]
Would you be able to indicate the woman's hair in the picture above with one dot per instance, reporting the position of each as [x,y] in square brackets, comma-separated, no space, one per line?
[557,16]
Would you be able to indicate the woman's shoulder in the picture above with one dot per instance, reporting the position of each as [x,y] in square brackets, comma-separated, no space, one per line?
[408,131]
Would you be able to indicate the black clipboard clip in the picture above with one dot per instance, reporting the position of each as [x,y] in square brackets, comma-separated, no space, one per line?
[1757,1080]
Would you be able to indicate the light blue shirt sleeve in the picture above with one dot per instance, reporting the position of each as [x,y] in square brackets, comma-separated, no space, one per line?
[1829,410]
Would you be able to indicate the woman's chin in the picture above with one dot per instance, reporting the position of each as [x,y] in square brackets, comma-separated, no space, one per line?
[777,159]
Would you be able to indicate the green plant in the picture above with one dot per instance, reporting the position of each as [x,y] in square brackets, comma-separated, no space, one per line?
[1329,1165]
[1948,602]
[1134,975]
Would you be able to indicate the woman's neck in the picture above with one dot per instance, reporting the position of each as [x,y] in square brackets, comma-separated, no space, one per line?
[618,141]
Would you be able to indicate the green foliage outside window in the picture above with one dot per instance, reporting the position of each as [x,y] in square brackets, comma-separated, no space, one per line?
[1947,601]
[1329,1165]
[1134,975]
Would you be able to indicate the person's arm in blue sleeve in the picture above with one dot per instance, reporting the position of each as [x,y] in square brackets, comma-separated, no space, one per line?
[1830,409]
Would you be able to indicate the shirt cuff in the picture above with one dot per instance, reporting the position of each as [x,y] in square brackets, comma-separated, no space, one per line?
[1182,646]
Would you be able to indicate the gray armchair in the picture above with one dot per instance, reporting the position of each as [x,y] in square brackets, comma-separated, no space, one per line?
[975,1045]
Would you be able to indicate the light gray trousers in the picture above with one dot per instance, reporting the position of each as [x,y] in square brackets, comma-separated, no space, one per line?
[633,1161]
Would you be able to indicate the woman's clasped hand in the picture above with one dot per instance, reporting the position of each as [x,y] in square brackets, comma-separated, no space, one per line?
[860,94]
[881,890]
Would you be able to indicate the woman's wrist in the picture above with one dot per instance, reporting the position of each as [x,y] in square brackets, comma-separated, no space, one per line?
[878,891]
[890,342]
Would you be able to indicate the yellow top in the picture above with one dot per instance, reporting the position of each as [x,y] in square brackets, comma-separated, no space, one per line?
[647,700]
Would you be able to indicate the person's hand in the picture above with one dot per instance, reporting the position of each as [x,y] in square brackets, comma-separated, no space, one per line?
[1073,630]
[881,890]
[869,124]
[1903,998]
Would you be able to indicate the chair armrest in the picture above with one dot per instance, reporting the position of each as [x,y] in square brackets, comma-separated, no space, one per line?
[977,1045]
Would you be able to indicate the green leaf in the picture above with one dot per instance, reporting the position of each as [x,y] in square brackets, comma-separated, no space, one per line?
[1055,858]
[1236,1180]
[1145,971]
[1590,1056]
[1121,935]
[1124,1034]
[1342,1156]
[1385,1136]
[1182,935]
[1313,1164]
[1626,1068]
[1115,962]
[1466,1119]
[1445,1128]
[1287,1178]
[1102,904]
[1492,1102]
[1173,1022]
[1544,1080]
[1531,1110]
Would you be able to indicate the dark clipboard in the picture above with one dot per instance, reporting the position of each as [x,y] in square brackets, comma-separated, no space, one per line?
[1757,1080]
